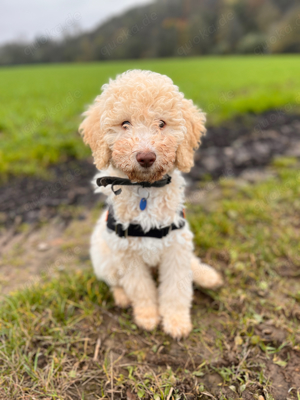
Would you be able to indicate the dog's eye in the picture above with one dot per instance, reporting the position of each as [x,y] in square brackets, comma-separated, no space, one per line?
[126,124]
[161,124]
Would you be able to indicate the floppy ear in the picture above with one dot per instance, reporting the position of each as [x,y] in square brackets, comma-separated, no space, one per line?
[194,120]
[92,134]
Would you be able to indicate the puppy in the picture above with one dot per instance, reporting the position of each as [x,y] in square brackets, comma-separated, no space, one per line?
[143,134]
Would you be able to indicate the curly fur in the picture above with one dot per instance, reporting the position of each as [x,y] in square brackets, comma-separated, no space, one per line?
[145,98]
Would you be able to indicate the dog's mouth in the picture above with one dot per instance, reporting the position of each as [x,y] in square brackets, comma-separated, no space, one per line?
[149,175]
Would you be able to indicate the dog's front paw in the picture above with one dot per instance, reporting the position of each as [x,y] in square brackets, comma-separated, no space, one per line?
[146,317]
[177,325]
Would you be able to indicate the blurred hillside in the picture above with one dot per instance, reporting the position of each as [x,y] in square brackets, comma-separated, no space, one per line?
[174,28]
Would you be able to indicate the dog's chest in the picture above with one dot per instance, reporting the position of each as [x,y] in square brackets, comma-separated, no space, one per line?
[151,250]
[162,205]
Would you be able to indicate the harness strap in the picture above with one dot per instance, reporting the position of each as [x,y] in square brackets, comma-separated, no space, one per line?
[137,231]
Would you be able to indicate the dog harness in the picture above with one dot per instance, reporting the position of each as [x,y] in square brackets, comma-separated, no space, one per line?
[135,229]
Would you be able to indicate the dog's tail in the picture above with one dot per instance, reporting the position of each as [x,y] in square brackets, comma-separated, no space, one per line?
[204,275]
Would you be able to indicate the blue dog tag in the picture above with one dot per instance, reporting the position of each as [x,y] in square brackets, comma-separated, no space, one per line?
[143,204]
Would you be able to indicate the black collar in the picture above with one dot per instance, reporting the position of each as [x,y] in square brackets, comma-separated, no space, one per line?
[114,180]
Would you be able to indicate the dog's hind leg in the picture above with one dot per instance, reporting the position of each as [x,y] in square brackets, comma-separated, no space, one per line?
[121,298]
[204,275]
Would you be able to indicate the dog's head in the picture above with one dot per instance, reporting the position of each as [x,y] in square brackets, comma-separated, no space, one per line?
[142,125]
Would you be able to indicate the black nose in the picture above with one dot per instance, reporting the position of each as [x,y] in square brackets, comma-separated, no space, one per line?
[146,159]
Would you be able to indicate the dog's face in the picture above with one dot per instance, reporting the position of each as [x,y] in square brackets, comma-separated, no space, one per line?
[142,125]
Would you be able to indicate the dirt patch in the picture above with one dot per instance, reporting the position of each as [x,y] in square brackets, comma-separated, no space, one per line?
[30,251]
[32,199]
[197,368]
[247,143]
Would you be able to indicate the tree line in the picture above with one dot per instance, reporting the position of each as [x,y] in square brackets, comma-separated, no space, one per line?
[172,28]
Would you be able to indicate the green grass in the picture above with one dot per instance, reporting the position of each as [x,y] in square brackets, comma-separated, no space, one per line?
[41,105]
[245,338]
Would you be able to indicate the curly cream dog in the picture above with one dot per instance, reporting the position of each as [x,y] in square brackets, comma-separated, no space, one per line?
[142,128]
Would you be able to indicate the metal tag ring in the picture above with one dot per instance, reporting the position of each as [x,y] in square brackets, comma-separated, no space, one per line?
[138,192]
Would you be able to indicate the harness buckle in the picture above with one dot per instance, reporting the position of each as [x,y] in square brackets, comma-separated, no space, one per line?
[120,232]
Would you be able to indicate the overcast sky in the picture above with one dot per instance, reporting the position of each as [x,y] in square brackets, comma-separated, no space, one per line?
[20,19]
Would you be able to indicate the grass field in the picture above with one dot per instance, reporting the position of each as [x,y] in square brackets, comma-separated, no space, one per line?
[64,339]
[41,105]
